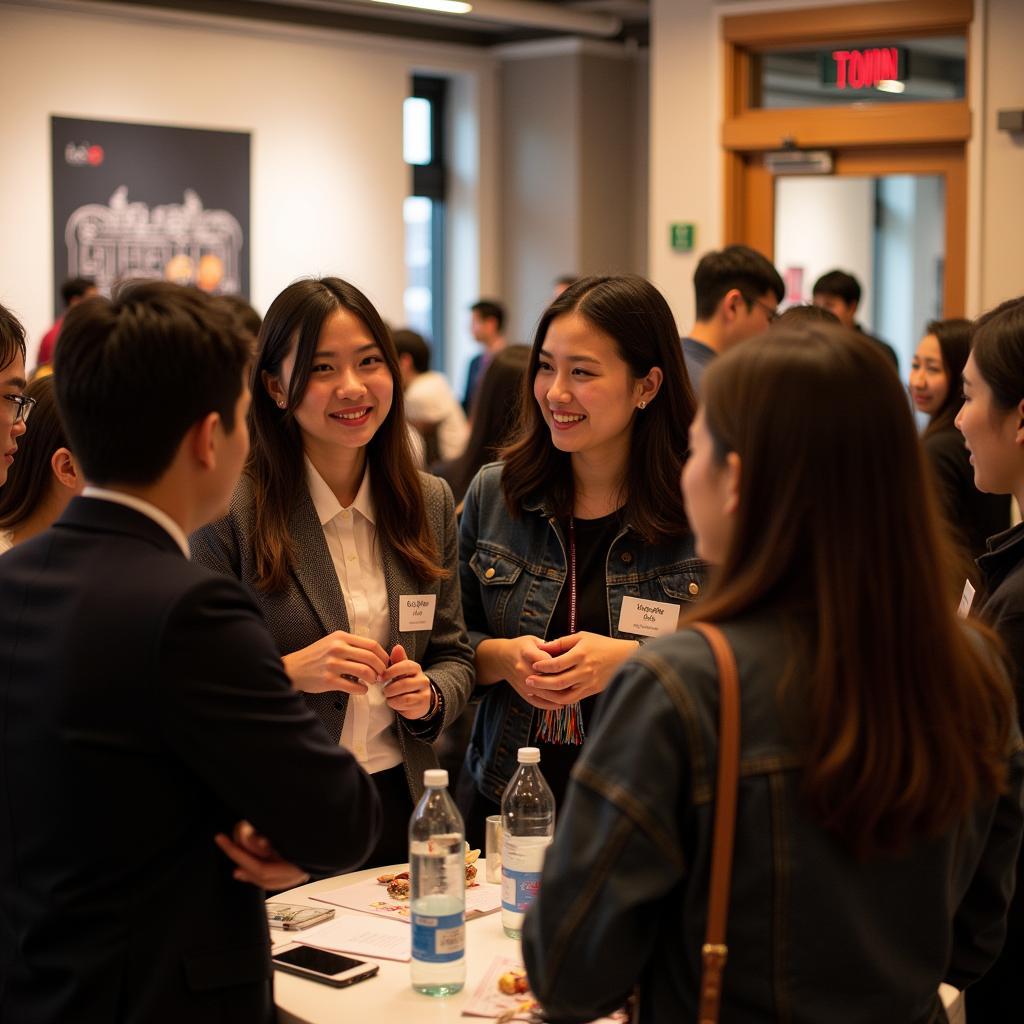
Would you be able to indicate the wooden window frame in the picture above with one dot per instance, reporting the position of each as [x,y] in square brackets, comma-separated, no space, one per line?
[922,137]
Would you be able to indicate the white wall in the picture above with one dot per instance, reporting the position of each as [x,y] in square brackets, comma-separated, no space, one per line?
[325,112]
[825,223]
[686,165]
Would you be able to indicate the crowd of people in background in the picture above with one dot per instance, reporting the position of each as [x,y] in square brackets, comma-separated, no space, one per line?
[214,528]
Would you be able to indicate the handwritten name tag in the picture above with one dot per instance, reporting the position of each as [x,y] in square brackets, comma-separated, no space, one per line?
[966,600]
[648,618]
[416,612]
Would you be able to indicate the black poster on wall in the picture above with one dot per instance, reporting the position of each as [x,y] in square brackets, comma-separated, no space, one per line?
[140,200]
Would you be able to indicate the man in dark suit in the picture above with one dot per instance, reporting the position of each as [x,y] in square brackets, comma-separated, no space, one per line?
[145,715]
[487,325]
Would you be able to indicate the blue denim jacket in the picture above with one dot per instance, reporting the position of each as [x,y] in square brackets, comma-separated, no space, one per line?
[815,935]
[512,572]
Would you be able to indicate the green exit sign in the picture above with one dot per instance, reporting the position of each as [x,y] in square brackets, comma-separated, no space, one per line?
[682,237]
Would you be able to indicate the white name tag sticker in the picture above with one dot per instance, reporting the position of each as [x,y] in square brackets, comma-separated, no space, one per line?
[416,612]
[966,600]
[648,618]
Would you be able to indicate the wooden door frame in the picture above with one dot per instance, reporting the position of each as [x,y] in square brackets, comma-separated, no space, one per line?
[904,138]
[947,161]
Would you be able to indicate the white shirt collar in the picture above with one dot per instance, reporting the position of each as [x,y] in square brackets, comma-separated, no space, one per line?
[326,502]
[150,511]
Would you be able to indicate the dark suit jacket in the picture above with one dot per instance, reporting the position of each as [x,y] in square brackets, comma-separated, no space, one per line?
[474,373]
[143,708]
[312,605]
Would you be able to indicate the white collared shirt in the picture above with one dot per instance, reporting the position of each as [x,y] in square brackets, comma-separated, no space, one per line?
[369,731]
[158,515]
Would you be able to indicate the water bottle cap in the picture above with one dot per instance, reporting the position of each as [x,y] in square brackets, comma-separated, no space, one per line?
[529,755]
[435,777]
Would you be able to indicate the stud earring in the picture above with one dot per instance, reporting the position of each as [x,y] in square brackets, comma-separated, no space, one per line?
[280,405]
[642,405]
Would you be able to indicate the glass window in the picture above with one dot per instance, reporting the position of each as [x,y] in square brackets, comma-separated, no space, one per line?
[418,213]
[423,211]
[416,137]
[843,74]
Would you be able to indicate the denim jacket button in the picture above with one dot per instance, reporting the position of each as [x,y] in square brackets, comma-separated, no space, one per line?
[627,557]
[694,589]
[490,573]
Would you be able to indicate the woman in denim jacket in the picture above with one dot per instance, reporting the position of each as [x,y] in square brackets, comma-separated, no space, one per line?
[879,810]
[571,552]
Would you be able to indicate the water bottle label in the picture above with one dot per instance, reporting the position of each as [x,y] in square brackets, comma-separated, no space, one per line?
[518,889]
[438,939]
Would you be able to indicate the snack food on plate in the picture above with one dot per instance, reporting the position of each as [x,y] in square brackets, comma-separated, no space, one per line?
[398,887]
[398,883]
[513,983]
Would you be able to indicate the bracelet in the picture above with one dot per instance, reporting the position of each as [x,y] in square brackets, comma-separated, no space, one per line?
[435,703]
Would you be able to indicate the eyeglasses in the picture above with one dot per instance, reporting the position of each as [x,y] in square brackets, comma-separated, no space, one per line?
[770,312]
[22,406]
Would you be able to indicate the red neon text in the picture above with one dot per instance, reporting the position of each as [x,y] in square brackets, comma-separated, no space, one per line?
[864,69]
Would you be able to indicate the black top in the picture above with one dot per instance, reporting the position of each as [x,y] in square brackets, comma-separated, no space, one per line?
[1002,570]
[593,540]
[973,515]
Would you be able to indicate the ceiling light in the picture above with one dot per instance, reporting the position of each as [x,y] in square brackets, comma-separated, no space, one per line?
[890,85]
[444,6]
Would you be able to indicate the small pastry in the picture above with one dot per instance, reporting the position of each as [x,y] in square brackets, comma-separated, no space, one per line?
[513,983]
[398,887]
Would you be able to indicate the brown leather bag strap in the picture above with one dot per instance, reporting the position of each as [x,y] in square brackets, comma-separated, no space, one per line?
[715,949]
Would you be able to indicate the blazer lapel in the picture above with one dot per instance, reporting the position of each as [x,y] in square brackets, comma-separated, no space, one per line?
[314,568]
[399,583]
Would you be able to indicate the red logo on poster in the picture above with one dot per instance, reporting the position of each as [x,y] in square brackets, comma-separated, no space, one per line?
[83,155]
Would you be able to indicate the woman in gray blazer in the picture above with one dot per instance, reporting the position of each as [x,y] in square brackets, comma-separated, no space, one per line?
[350,552]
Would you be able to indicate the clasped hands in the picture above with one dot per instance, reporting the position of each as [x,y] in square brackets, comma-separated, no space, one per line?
[555,673]
[256,860]
[344,661]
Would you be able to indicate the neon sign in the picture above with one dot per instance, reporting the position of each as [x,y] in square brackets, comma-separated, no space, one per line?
[865,68]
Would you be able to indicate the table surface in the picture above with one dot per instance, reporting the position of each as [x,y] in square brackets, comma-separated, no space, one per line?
[389,998]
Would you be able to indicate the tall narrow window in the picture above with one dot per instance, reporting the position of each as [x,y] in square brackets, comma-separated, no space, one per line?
[423,211]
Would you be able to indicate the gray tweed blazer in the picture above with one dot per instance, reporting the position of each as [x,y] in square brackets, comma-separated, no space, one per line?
[312,605]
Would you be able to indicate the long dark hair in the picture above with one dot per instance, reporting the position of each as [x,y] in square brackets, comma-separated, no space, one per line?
[998,350]
[904,718]
[635,314]
[276,467]
[12,338]
[495,411]
[954,338]
[31,477]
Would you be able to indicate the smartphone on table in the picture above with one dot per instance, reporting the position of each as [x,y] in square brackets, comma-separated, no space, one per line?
[321,965]
[293,918]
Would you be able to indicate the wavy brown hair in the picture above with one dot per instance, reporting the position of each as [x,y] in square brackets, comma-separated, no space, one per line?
[636,316]
[276,466]
[904,716]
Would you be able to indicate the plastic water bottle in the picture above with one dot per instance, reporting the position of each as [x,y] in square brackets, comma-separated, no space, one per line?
[437,868]
[528,826]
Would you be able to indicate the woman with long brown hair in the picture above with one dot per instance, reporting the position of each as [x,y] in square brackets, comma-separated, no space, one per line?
[989,422]
[564,540]
[879,809]
[349,551]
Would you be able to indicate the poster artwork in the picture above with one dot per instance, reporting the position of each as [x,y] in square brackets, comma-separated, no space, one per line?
[146,201]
